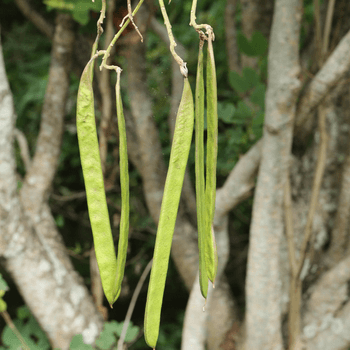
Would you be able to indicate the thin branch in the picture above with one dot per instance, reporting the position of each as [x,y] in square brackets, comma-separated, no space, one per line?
[320,167]
[196,26]
[317,16]
[328,27]
[24,149]
[288,211]
[133,303]
[99,27]
[178,59]
[336,66]
[106,92]
[131,17]
[36,18]
[116,37]
[14,329]
[231,36]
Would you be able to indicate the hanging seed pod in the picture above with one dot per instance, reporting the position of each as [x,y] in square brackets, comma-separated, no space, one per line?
[94,185]
[199,167]
[212,148]
[168,213]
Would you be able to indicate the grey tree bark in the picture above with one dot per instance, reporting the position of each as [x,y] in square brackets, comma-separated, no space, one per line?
[263,286]
[31,248]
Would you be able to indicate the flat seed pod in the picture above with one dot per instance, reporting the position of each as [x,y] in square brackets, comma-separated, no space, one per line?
[199,167]
[94,185]
[168,213]
[124,184]
[212,148]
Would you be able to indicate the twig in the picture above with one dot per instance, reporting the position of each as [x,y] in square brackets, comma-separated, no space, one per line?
[318,31]
[99,27]
[327,29]
[289,226]
[105,88]
[130,16]
[24,149]
[108,51]
[9,322]
[178,59]
[321,164]
[36,18]
[132,304]
[196,26]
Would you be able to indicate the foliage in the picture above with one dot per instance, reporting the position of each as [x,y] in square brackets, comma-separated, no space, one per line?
[107,338]
[29,329]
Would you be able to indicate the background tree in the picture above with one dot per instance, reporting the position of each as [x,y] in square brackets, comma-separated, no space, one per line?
[296,219]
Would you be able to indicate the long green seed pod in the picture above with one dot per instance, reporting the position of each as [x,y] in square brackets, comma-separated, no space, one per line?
[93,178]
[212,148]
[199,166]
[168,212]
[124,184]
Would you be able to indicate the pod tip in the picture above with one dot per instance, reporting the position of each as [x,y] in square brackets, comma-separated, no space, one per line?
[111,306]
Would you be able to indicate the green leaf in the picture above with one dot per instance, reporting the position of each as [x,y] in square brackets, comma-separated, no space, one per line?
[226,111]
[77,343]
[257,46]
[23,312]
[107,337]
[3,305]
[3,284]
[247,81]
[242,113]
[244,45]
[258,96]
[80,9]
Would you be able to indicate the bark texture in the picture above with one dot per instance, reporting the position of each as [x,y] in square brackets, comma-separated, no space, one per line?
[263,287]
[30,246]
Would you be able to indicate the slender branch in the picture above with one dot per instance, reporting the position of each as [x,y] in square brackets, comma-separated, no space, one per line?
[99,27]
[14,329]
[35,17]
[288,211]
[24,149]
[317,16]
[178,59]
[193,23]
[130,16]
[327,29]
[116,37]
[106,93]
[133,303]
[321,164]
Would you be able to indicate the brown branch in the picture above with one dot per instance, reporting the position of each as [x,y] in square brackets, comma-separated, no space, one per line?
[106,91]
[340,232]
[320,168]
[240,183]
[231,36]
[24,149]
[39,178]
[133,303]
[36,18]
[328,27]
[333,70]
[288,211]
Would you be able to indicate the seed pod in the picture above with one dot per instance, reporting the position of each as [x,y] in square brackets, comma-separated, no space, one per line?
[199,167]
[124,184]
[212,147]
[94,185]
[168,212]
